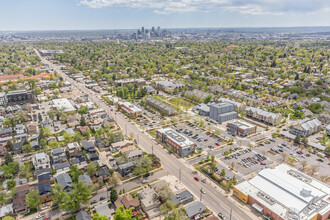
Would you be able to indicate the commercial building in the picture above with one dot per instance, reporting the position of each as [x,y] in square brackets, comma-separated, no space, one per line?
[222,111]
[328,129]
[129,108]
[180,144]
[239,106]
[286,193]
[2,98]
[241,128]
[125,82]
[19,97]
[202,109]
[64,105]
[169,87]
[198,93]
[160,106]
[306,127]
[263,116]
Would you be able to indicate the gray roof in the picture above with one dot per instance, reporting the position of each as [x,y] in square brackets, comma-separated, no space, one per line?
[65,180]
[82,215]
[308,123]
[195,208]
[85,178]
[126,165]
[60,166]
[182,197]
[134,153]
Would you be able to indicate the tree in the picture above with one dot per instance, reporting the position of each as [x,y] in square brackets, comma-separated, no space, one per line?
[11,184]
[67,138]
[27,148]
[9,146]
[77,137]
[143,166]
[75,173]
[3,197]
[52,114]
[8,158]
[83,109]
[33,199]
[207,99]
[165,193]
[297,139]
[223,172]
[97,216]
[113,195]
[314,169]
[10,169]
[122,213]
[58,194]
[79,195]
[167,207]
[83,121]
[304,164]
[91,169]
[177,214]
[8,218]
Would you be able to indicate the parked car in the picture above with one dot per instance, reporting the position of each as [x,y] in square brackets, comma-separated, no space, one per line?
[40,216]
[196,178]
[102,198]
[203,191]
[221,216]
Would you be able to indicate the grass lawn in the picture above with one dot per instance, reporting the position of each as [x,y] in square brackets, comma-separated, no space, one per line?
[180,102]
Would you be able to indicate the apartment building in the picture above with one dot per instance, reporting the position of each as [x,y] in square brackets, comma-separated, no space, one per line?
[306,127]
[263,115]
[241,128]
[160,106]
[222,111]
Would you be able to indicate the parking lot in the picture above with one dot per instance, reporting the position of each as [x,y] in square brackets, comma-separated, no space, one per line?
[203,140]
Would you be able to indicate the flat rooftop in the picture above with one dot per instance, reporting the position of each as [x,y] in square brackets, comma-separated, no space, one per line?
[177,138]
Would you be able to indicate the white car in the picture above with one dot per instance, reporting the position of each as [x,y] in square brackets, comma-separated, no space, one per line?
[203,191]
[40,216]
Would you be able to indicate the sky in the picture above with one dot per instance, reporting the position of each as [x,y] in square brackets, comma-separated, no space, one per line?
[133,14]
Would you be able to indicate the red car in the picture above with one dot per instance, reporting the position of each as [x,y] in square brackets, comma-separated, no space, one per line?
[211,135]
[196,178]
[208,133]
[217,144]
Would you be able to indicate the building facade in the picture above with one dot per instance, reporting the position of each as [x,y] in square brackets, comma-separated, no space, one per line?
[160,106]
[241,128]
[263,116]
[19,97]
[180,144]
[222,111]
[306,127]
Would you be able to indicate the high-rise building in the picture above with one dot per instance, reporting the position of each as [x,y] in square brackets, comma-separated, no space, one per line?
[142,29]
[153,29]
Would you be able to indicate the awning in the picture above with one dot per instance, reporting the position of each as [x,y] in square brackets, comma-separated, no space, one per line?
[257,207]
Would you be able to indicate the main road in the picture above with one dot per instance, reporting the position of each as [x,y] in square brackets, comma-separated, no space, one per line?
[213,198]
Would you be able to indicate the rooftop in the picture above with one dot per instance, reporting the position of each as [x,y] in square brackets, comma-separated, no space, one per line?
[176,137]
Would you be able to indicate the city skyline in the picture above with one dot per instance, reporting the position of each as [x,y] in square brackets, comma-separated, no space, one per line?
[19,15]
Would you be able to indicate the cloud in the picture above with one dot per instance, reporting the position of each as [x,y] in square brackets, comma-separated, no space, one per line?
[240,6]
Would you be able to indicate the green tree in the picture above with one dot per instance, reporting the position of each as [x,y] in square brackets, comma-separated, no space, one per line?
[3,197]
[75,173]
[113,195]
[207,99]
[9,146]
[91,169]
[27,148]
[83,121]
[122,214]
[58,194]
[8,218]
[33,199]
[67,138]
[97,216]
[8,158]
[77,137]
[10,169]
[143,166]
[83,109]
[11,184]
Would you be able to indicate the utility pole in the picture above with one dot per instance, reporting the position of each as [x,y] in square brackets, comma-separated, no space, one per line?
[152,149]
[231,212]
[201,197]
[126,128]
[180,174]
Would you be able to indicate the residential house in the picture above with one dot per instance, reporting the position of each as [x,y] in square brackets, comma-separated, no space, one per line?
[17,149]
[65,181]
[46,177]
[45,192]
[48,123]
[41,161]
[82,215]
[74,150]
[19,206]
[128,202]
[85,178]
[126,168]
[195,209]
[160,106]
[6,210]
[306,127]
[58,155]
[118,145]
[62,166]
[104,173]
[182,197]
[134,155]
[150,202]
[263,116]
[19,129]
